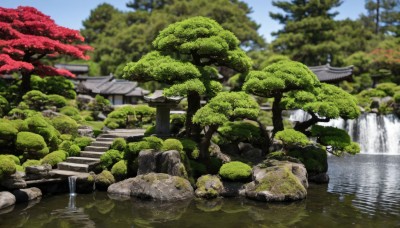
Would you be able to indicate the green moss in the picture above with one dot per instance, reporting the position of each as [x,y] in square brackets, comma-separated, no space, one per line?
[235,171]
[209,191]
[66,137]
[32,144]
[280,181]
[40,125]
[74,150]
[119,170]
[83,141]
[4,106]
[69,111]
[104,179]
[14,158]
[150,130]
[109,158]
[30,162]
[7,131]
[7,167]
[118,144]
[154,142]
[54,158]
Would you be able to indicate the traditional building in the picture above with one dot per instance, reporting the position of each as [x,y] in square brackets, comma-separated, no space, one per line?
[329,74]
[117,91]
[77,69]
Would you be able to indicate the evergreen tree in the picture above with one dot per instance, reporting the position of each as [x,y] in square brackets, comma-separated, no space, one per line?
[309,31]
[384,15]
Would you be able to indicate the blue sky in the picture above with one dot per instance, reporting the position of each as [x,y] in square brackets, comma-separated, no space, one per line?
[71,13]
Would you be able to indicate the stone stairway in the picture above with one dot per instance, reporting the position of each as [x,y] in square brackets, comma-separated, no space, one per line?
[90,157]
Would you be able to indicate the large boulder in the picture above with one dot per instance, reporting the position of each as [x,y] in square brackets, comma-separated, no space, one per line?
[28,194]
[146,162]
[38,172]
[6,199]
[275,180]
[154,186]
[209,186]
[14,181]
[168,162]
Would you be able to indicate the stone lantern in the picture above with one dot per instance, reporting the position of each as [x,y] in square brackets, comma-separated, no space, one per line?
[163,106]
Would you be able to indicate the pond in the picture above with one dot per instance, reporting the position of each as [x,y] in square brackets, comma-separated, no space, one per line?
[364,191]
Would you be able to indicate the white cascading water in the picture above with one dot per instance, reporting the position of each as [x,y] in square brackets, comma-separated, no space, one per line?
[376,134]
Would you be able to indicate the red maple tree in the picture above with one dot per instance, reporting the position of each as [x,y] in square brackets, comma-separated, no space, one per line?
[28,38]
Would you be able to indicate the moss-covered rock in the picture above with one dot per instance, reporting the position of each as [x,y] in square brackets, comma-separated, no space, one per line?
[56,100]
[65,125]
[54,158]
[30,162]
[208,186]
[8,132]
[235,171]
[119,170]
[32,145]
[172,144]
[14,158]
[154,142]
[74,150]
[277,181]
[103,180]
[154,186]
[40,125]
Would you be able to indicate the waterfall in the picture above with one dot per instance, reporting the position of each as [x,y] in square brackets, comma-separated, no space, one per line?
[72,185]
[376,134]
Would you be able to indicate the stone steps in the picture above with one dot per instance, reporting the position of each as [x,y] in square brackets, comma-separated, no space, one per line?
[91,154]
[102,143]
[83,160]
[76,167]
[97,148]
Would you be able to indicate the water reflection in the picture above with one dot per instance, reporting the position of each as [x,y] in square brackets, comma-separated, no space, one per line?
[372,179]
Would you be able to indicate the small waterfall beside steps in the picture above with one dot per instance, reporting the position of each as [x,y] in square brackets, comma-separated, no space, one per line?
[376,134]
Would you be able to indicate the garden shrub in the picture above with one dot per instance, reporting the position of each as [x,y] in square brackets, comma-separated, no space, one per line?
[54,158]
[331,136]
[118,144]
[313,158]
[56,100]
[104,179]
[65,125]
[35,99]
[290,137]
[177,123]
[388,87]
[130,116]
[33,145]
[154,142]
[150,131]
[31,162]
[172,144]
[239,131]
[396,97]
[54,85]
[69,111]
[132,150]
[235,171]
[14,158]
[352,148]
[65,145]
[7,167]
[66,137]
[83,141]
[190,147]
[17,113]
[4,106]
[74,150]
[119,170]
[7,133]
[38,124]
[109,158]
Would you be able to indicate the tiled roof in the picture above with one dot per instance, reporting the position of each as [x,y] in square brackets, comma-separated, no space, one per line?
[327,73]
[75,68]
[108,85]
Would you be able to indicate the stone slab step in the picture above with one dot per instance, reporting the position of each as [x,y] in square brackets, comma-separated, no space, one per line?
[108,136]
[97,148]
[91,154]
[73,167]
[67,173]
[102,144]
[83,160]
[104,139]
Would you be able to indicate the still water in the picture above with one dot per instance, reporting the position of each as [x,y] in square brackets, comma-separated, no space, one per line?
[364,191]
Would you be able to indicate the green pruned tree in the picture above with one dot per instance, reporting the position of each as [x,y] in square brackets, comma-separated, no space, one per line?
[383,15]
[276,80]
[223,108]
[294,86]
[308,35]
[187,54]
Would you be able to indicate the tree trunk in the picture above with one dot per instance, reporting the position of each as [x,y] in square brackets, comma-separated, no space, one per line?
[265,133]
[302,126]
[25,83]
[277,119]
[205,144]
[192,130]
[377,16]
